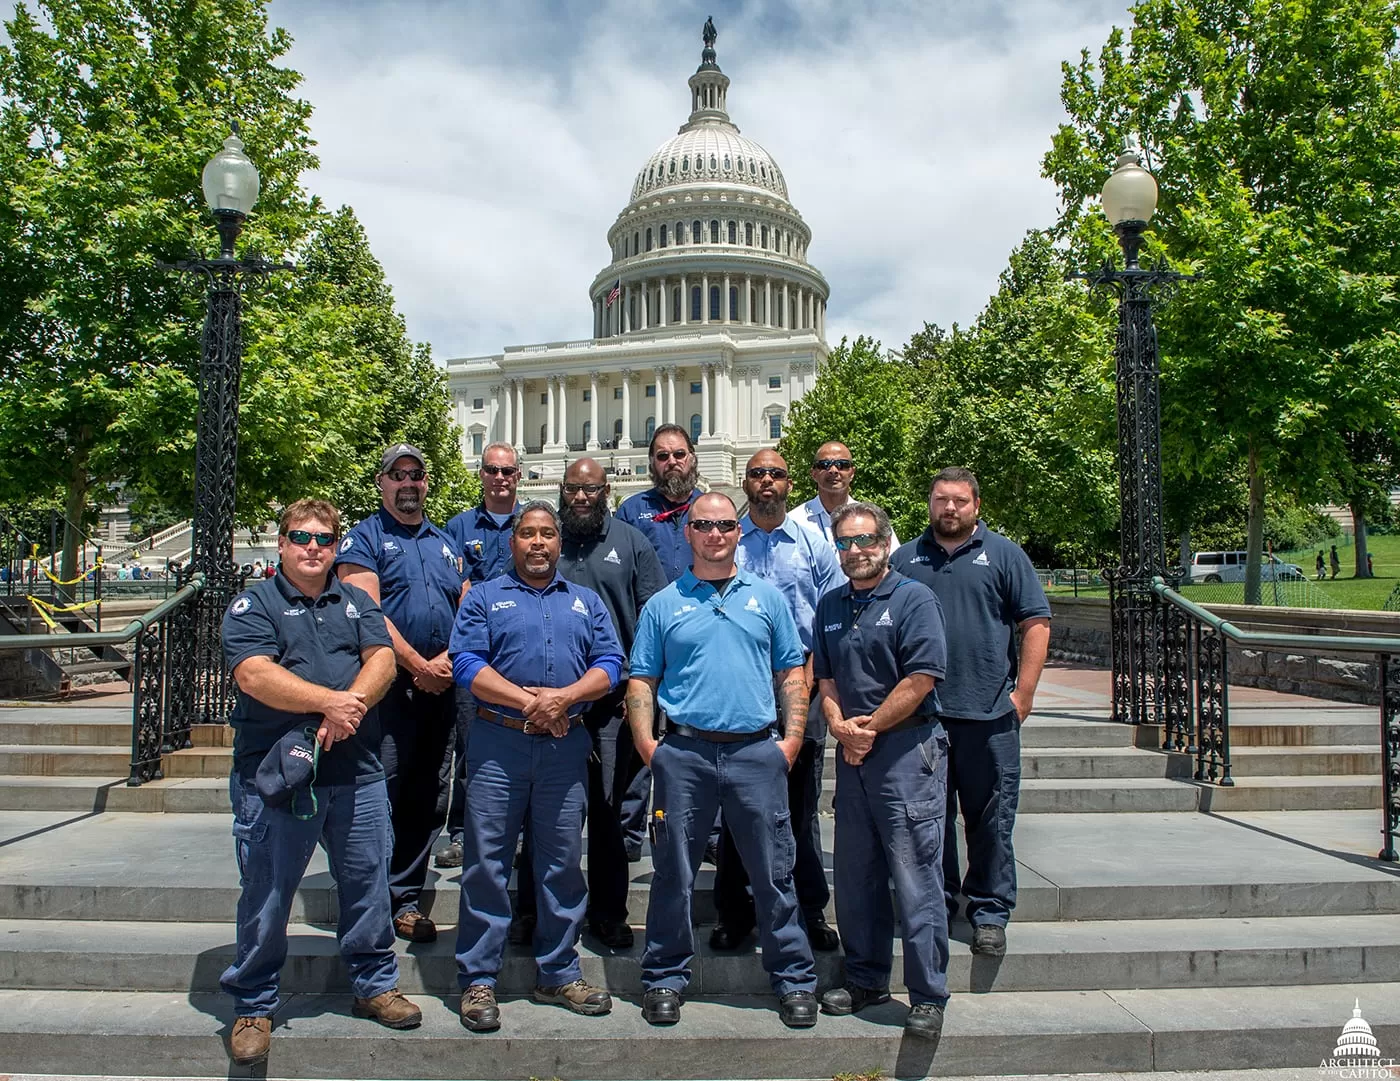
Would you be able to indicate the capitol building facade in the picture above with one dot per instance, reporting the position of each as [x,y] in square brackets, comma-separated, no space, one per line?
[708,315]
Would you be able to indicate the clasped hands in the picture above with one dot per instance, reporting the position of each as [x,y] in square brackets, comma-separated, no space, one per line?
[548,710]
[434,676]
[341,717]
[855,737]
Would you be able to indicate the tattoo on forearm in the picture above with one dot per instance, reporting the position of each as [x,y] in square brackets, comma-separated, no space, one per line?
[794,692]
[639,715]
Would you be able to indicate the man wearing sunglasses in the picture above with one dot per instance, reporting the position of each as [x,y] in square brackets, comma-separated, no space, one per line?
[615,561]
[991,596]
[833,470]
[660,511]
[308,651]
[880,649]
[414,570]
[482,535]
[709,647]
[796,561]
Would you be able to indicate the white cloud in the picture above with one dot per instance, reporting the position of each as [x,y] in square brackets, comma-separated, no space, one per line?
[487,149]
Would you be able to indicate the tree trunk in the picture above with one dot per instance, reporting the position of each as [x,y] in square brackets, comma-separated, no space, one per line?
[73,509]
[1358,525]
[1255,545]
[1185,548]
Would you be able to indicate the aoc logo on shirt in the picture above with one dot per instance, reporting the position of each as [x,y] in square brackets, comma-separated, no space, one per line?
[580,607]
[982,560]
[751,605]
[612,557]
[884,620]
[390,546]
[351,612]
[347,544]
[293,611]
[683,609]
[496,606]
[240,605]
[919,559]
[833,627]
[447,554]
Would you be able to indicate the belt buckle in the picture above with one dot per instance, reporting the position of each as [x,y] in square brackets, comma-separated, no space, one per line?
[526,729]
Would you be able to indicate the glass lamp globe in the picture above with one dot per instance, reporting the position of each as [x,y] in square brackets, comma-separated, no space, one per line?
[1130,192]
[231,180]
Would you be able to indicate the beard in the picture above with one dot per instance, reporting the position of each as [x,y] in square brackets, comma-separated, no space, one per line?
[676,487]
[586,524]
[962,528]
[769,508]
[408,500]
[865,565]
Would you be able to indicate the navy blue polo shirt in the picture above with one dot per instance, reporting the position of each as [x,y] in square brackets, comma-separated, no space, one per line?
[987,587]
[485,546]
[663,526]
[715,653]
[320,639]
[869,640]
[420,576]
[533,637]
[620,565]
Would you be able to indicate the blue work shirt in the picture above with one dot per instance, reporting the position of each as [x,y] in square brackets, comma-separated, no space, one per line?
[795,560]
[533,637]
[485,546]
[662,523]
[620,565]
[869,640]
[321,640]
[420,576]
[715,654]
[987,587]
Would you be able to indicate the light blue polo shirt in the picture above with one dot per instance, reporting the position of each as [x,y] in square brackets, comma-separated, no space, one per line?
[795,560]
[715,654]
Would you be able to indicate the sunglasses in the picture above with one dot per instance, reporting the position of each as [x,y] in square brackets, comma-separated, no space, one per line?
[500,470]
[666,455]
[405,474]
[833,463]
[586,489]
[857,540]
[709,525]
[305,536]
[758,472]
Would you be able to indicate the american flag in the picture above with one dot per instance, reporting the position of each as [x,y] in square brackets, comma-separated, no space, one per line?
[616,292]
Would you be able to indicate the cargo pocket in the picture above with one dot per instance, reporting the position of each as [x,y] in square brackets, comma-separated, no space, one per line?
[784,847]
[250,848]
[921,833]
[1008,796]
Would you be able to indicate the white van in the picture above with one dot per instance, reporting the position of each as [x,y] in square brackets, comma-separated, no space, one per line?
[1229,567]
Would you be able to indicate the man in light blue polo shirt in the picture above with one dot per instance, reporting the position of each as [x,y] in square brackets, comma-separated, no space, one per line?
[708,647]
[801,565]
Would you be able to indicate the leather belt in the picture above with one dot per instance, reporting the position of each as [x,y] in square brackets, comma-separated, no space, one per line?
[520,724]
[718,737]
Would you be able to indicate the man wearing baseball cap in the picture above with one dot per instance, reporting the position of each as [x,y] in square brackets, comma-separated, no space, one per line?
[414,570]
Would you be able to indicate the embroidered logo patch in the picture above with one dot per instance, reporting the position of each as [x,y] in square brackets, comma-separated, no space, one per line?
[347,544]
[580,607]
[447,554]
[751,605]
[683,609]
[833,627]
[612,557]
[496,606]
[240,605]
[884,620]
[982,560]
[351,612]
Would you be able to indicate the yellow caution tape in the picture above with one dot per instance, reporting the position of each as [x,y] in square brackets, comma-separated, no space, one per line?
[44,608]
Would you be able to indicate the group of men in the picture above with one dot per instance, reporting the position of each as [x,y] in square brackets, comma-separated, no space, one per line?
[674,669]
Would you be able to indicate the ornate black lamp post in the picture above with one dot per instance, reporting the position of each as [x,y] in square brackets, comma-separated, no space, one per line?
[1138,621]
[197,683]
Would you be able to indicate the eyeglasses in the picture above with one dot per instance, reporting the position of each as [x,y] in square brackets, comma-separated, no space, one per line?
[758,472]
[405,474]
[833,463]
[500,470]
[586,489]
[305,536]
[857,540]
[666,455]
[709,525]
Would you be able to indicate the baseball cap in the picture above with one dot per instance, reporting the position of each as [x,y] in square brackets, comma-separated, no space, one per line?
[401,450]
[289,770]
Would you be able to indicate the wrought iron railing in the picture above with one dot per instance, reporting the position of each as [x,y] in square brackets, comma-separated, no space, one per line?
[163,706]
[1194,691]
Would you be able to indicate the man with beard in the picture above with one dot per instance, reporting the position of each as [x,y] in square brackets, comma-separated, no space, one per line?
[414,571]
[708,649]
[482,534]
[880,648]
[833,469]
[989,592]
[534,649]
[660,511]
[778,550]
[615,561]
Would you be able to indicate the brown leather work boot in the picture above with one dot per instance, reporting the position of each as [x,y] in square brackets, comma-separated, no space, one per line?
[249,1043]
[390,1009]
[414,926]
[479,1011]
[579,996]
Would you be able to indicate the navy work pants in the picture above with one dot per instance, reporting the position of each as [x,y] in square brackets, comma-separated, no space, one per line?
[513,777]
[889,828]
[984,781]
[748,781]
[416,752]
[457,804]
[273,847]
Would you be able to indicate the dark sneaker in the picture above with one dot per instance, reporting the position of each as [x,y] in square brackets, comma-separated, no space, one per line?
[390,1009]
[661,1006]
[579,996]
[250,1040]
[479,1010]
[821,934]
[925,1021]
[840,1001]
[798,1009]
[634,853]
[521,931]
[729,936]
[414,926]
[615,934]
[711,855]
[989,940]
[451,856]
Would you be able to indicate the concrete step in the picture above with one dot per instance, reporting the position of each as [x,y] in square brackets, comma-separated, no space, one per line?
[1010,1033]
[111,793]
[91,732]
[50,760]
[1330,761]
[1293,794]
[1252,728]
[1057,956]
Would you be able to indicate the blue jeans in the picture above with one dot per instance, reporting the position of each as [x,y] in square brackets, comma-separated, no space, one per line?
[984,779]
[509,775]
[273,848]
[889,826]
[748,781]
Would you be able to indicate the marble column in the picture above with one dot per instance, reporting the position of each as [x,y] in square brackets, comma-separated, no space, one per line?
[685,303]
[626,441]
[767,302]
[550,430]
[785,310]
[801,320]
[747,308]
[593,410]
[724,374]
[671,394]
[520,415]
[501,431]
[661,313]
[564,409]
[724,302]
[705,370]
[625,317]
[704,298]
